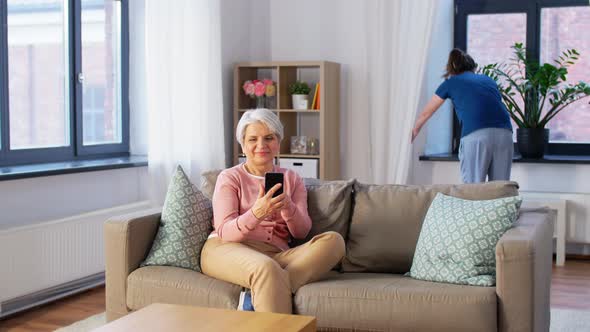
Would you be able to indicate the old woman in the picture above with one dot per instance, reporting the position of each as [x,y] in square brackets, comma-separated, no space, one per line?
[252,229]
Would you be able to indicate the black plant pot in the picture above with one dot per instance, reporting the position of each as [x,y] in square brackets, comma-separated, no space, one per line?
[532,142]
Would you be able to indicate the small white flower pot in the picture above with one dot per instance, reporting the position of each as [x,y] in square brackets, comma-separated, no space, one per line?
[300,102]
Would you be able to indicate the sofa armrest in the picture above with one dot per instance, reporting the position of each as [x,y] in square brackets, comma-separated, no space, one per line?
[524,258]
[128,238]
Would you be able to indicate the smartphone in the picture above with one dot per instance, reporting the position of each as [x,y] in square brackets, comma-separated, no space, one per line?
[270,180]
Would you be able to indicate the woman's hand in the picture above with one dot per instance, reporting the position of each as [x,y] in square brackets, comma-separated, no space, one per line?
[429,109]
[287,203]
[415,132]
[265,204]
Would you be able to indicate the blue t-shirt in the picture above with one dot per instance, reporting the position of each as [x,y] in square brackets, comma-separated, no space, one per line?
[477,101]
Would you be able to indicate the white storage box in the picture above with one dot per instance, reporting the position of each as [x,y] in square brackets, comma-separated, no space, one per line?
[306,168]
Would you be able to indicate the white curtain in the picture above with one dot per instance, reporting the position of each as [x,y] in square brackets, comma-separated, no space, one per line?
[382,46]
[397,43]
[183,90]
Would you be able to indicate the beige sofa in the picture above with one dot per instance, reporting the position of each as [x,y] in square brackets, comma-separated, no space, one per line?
[381,225]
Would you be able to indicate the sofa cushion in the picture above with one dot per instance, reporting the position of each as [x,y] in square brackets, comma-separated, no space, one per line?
[208,180]
[184,227]
[386,221]
[457,243]
[166,284]
[329,206]
[387,302]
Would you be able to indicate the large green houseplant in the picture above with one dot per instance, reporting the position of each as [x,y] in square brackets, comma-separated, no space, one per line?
[543,89]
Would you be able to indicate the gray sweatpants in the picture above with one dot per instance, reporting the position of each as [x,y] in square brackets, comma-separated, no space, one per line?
[486,152]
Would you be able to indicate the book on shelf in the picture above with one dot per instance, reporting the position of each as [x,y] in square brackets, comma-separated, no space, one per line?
[316,98]
[317,102]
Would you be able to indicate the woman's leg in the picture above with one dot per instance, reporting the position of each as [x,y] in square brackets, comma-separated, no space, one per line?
[475,155]
[243,265]
[502,158]
[311,260]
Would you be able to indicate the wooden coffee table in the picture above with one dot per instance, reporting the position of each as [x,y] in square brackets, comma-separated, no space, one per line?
[176,318]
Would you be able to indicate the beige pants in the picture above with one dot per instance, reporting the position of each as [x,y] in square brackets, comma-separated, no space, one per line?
[271,274]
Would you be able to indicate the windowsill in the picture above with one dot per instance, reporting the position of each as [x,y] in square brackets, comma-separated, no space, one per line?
[547,159]
[69,167]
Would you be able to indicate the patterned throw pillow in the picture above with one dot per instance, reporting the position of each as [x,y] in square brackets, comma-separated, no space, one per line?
[457,243]
[184,226]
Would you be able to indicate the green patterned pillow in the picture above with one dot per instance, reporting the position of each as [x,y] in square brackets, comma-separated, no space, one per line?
[184,226]
[457,243]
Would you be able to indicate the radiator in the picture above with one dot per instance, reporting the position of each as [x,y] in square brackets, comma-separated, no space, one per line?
[41,261]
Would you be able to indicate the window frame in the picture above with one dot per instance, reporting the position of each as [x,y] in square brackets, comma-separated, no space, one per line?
[532,9]
[76,150]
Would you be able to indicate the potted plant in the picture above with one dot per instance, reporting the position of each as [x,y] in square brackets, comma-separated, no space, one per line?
[543,90]
[299,92]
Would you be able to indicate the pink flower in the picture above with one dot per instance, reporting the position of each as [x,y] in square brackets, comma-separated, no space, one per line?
[267,82]
[248,88]
[259,89]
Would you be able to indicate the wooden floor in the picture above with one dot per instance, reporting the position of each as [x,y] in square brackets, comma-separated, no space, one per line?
[570,288]
[570,285]
[58,314]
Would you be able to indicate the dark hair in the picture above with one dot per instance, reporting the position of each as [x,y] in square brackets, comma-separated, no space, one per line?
[459,62]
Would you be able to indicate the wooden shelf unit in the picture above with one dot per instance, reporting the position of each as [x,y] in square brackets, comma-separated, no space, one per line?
[323,124]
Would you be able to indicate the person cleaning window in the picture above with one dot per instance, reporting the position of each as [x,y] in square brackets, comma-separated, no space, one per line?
[486,146]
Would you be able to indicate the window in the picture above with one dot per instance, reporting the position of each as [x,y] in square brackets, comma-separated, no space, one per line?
[93,119]
[487,29]
[560,30]
[490,36]
[63,87]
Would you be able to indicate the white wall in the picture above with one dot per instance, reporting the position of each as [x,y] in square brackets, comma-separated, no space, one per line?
[326,30]
[245,36]
[34,200]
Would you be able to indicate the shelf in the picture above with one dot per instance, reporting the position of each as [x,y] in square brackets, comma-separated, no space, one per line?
[298,111]
[304,156]
[283,155]
[284,111]
[251,109]
[298,64]
[322,125]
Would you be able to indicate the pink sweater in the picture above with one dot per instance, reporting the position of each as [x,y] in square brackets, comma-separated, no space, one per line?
[236,192]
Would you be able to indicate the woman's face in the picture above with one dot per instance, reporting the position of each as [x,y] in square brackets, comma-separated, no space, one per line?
[260,144]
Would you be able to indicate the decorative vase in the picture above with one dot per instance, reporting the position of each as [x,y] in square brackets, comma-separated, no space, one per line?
[299,102]
[532,142]
[260,102]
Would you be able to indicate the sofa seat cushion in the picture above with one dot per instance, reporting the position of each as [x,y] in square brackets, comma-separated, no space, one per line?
[166,284]
[389,302]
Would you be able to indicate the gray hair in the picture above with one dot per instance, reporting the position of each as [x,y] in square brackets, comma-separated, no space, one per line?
[263,116]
